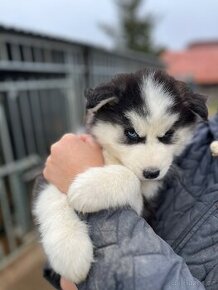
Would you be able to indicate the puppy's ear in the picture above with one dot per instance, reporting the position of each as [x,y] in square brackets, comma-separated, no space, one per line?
[99,97]
[195,102]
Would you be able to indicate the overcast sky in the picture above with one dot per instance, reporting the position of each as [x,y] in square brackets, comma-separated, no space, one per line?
[178,22]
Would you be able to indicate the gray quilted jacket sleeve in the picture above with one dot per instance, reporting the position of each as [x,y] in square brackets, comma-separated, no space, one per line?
[131,256]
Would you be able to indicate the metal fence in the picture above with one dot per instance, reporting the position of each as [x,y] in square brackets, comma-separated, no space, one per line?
[42,80]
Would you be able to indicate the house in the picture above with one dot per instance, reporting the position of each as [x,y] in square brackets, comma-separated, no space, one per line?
[197,64]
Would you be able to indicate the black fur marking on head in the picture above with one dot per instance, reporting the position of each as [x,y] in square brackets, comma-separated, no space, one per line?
[126,90]
[188,104]
[124,94]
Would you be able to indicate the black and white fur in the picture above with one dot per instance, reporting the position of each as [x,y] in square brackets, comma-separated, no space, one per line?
[142,121]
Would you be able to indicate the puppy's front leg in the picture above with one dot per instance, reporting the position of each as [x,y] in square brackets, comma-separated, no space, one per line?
[64,237]
[105,187]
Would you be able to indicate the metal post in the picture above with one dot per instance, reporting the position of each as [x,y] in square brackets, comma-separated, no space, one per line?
[16,124]
[6,214]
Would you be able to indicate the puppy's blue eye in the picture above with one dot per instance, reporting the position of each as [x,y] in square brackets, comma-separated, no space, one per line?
[132,135]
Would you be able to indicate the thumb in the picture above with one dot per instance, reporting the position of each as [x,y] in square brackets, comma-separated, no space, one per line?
[67,285]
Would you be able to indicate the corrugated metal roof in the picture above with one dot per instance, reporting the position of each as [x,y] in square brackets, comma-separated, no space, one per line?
[150,59]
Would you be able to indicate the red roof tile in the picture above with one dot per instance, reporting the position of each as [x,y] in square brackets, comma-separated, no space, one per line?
[198,62]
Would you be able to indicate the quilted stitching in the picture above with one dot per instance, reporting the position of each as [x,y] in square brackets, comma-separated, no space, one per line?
[187,215]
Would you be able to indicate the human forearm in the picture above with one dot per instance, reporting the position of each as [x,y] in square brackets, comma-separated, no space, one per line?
[130,255]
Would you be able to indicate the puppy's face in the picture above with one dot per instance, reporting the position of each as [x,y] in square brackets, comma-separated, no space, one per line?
[144,120]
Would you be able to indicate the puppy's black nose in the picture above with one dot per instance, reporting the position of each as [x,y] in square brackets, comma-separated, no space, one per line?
[151,173]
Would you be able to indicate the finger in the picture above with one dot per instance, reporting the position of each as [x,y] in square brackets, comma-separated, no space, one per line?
[89,139]
[67,285]
[83,137]
[53,147]
[45,174]
[48,160]
[68,136]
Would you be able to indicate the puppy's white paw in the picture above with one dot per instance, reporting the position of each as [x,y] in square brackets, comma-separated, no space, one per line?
[102,188]
[64,237]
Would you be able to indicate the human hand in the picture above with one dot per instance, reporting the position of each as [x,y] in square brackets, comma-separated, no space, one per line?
[70,156]
[67,285]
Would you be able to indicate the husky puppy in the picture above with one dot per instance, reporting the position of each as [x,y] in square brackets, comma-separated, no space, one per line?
[142,121]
